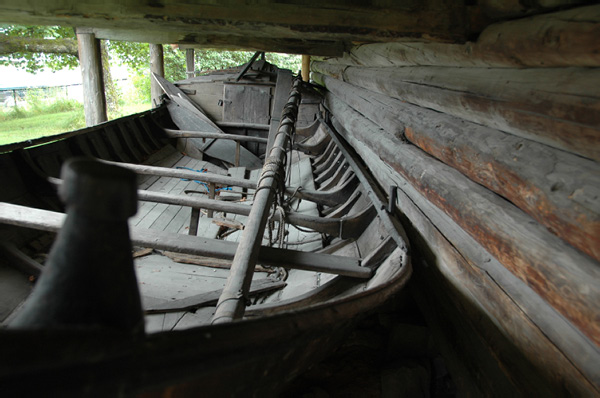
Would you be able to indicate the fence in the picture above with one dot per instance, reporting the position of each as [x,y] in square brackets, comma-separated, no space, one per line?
[18,96]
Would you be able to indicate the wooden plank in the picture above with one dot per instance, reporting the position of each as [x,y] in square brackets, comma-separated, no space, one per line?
[188,116]
[210,298]
[557,272]
[113,138]
[187,174]
[200,134]
[253,126]
[558,107]
[556,188]
[138,137]
[248,104]
[52,221]
[130,143]
[148,212]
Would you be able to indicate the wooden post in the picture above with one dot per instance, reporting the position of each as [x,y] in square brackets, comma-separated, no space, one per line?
[212,188]
[157,65]
[237,154]
[94,100]
[189,63]
[305,67]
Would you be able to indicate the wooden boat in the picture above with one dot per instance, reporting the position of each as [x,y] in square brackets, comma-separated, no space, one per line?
[337,251]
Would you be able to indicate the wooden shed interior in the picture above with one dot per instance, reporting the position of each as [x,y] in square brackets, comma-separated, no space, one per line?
[483,116]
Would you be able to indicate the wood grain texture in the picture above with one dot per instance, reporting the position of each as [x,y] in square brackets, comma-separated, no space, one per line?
[301,27]
[157,65]
[557,107]
[557,189]
[565,278]
[560,39]
[94,103]
[487,292]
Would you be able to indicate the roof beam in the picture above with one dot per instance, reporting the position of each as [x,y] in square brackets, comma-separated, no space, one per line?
[319,28]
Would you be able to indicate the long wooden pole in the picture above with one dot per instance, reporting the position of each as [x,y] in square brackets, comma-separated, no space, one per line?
[94,100]
[217,136]
[232,301]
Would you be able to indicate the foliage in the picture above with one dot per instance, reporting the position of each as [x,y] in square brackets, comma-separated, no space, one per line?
[33,62]
[135,55]
[41,102]
[285,61]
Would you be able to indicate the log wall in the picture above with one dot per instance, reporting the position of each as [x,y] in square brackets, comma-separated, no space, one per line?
[495,148]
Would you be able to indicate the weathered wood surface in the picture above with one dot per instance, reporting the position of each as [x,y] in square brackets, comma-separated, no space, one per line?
[190,65]
[94,100]
[499,9]
[248,104]
[186,174]
[550,343]
[231,304]
[564,277]
[282,90]
[52,221]
[558,189]
[559,107]
[203,134]
[189,116]
[323,28]
[157,65]
[561,39]
[21,44]
[210,298]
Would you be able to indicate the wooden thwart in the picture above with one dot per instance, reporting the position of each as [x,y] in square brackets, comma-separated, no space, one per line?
[52,221]
[218,136]
[187,174]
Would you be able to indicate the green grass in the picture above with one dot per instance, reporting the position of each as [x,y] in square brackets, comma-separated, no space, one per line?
[17,125]
[22,129]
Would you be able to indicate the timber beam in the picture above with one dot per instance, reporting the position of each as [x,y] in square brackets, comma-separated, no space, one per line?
[52,221]
[218,136]
[323,28]
[343,227]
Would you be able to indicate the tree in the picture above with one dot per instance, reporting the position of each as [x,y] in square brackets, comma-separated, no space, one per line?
[35,48]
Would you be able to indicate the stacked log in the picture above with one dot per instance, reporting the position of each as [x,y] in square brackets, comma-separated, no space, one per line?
[498,172]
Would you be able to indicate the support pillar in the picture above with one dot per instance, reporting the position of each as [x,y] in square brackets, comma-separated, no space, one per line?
[189,63]
[157,65]
[306,68]
[90,59]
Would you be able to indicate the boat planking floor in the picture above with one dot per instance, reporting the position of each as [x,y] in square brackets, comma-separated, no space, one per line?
[160,278]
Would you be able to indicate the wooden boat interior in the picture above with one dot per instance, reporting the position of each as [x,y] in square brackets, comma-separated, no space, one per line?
[327,237]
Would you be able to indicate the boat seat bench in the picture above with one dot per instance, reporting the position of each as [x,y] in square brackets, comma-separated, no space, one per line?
[46,220]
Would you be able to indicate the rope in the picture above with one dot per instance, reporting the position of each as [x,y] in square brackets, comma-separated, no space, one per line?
[200,182]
